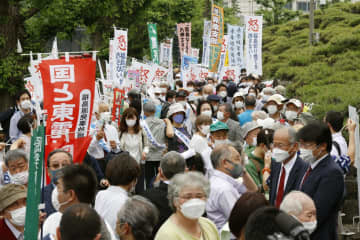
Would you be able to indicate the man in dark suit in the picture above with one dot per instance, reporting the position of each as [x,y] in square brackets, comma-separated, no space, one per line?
[324,180]
[171,164]
[56,160]
[287,168]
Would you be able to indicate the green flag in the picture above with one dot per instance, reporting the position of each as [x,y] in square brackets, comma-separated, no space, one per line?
[154,46]
[34,183]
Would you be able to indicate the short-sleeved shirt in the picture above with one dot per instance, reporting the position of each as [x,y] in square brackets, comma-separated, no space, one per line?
[170,230]
[245,117]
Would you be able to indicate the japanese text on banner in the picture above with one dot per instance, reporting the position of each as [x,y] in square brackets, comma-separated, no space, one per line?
[120,47]
[235,45]
[216,36]
[184,36]
[68,99]
[253,44]
[206,43]
[154,47]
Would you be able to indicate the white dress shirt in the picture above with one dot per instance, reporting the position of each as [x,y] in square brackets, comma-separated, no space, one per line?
[108,203]
[51,224]
[288,166]
[18,235]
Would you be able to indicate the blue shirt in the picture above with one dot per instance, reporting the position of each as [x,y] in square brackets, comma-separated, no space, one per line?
[14,132]
[245,117]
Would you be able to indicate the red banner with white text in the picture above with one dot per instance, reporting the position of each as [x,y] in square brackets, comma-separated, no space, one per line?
[68,100]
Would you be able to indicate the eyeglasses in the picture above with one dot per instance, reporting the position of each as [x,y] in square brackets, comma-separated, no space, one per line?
[280,145]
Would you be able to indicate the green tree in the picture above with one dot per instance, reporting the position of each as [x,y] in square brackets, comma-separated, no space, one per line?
[275,12]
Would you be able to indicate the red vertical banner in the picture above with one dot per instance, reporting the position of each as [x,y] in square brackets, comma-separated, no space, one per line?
[68,99]
[118,105]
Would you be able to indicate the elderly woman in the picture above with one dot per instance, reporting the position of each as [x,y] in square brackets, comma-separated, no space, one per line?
[136,219]
[187,193]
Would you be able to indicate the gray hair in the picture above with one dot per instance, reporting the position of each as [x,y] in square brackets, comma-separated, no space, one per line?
[291,133]
[13,155]
[188,179]
[219,153]
[171,164]
[228,107]
[141,215]
[293,202]
[149,107]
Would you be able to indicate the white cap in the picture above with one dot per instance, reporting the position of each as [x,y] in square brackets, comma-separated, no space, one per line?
[277,98]
[174,108]
[268,123]
[296,102]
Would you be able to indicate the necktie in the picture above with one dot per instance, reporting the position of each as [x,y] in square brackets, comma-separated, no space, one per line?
[305,176]
[280,192]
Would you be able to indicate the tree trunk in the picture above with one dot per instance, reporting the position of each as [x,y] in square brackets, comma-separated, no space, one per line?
[11,26]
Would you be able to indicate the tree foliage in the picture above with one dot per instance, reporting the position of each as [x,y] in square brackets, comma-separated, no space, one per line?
[275,12]
[326,74]
[39,21]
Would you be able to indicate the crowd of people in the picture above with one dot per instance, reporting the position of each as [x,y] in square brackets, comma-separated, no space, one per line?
[216,159]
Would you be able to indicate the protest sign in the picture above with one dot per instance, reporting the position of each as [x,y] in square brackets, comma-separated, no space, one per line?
[184,36]
[185,68]
[68,100]
[118,106]
[206,44]
[224,47]
[120,46]
[154,47]
[216,36]
[253,44]
[36,164]
[235,45]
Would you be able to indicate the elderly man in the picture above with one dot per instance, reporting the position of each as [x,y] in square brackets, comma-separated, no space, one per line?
[219,133]
[287,169]
[155,130]
[207,91]
[18,168]
[105,137]
[324,180]
[225,190]
[171,164]
[136,219]
[223,115]
[56,160]
[12,211]
[302,207]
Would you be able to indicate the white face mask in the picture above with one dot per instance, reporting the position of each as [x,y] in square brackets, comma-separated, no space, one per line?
[252,94]
[106,116]
[239,104]
[130,122]
[193,209]
[18,216]
[310,226]
[220,142]
[215,107]
[280,155]
[291,115]
[272,109]
[265,98]
[205,129]
[26,104]
[20,178]
[55,200]
[205,96]
[222,94]
[220,115]
[207,113]
[307,155]
[190,89]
